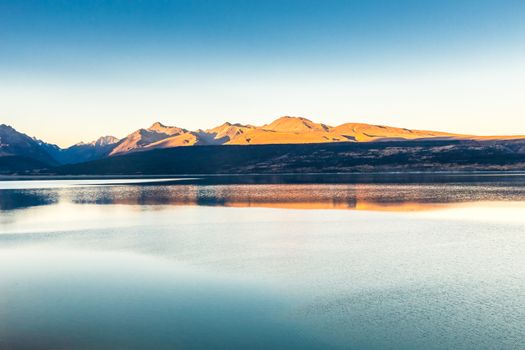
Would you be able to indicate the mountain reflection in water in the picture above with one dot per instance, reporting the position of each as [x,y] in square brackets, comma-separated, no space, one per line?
[358,193]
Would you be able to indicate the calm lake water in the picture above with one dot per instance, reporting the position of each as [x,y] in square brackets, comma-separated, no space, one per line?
[356,262]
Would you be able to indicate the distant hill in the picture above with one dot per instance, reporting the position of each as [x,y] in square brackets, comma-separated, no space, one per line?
[282,131]
[19,164]
[83,152]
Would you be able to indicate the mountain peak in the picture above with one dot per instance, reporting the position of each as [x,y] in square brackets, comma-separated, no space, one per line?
[7,127]
[104,141]
[157,125]
[295,125]
[164,129]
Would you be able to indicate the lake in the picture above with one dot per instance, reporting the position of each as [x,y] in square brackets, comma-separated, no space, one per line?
[414,261]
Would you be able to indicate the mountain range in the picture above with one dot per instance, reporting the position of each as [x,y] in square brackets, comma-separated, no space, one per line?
[20,152]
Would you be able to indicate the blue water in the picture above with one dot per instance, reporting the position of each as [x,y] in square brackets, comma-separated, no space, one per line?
[112,265]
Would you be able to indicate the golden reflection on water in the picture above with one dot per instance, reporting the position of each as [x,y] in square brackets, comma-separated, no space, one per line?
[370,197]
[366,197]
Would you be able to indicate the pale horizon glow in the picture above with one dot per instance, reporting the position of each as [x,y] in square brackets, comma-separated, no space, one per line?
[439,66]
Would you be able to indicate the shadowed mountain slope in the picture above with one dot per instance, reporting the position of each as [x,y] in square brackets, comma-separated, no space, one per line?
[14,143]
[444,155]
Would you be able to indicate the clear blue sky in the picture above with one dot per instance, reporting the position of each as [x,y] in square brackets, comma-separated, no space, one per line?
[74,70]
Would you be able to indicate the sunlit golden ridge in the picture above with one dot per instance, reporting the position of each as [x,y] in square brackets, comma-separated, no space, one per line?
[284,130]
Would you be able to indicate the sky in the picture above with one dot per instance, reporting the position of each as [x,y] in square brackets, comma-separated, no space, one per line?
[76,70]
